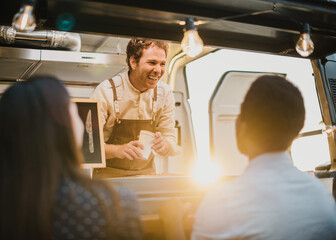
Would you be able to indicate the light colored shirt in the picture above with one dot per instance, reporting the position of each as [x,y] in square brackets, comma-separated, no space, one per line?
[136,105]
[270,200]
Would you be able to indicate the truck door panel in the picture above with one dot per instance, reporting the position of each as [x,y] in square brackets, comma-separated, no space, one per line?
[325,78]
[183,162]
[224,107]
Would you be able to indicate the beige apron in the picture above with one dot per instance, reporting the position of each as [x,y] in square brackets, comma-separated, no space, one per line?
[124,131]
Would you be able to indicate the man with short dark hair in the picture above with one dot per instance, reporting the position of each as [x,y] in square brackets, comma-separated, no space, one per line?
[136,100]
[271,116]
[271,199]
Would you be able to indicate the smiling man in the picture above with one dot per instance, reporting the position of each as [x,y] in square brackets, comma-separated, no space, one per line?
[137,100]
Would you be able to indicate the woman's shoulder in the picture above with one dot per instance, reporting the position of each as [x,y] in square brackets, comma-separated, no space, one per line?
[129,225]
[110,195]
[113,194]
[87,205]
[111,189]
[127,199]
[124,192]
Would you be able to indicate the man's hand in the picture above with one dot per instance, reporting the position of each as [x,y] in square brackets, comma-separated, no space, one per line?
[160,144]
[129,150]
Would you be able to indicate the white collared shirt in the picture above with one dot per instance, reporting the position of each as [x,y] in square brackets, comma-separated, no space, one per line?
[136,105]
[270,200]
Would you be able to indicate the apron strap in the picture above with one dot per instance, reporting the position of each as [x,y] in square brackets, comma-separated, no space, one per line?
[116,105]
[154,107]
[115,100]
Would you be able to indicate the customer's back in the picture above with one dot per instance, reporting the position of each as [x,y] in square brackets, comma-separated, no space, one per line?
[271,199]
[44,193]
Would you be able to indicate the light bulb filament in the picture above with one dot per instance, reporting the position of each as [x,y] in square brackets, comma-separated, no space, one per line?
[305,45]
[24,21]
[191,43]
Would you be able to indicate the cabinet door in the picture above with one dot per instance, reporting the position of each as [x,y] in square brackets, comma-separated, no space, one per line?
[224,107]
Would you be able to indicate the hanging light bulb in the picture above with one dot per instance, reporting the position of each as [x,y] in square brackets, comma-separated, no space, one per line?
[191,43]
[24,20]
[305,45]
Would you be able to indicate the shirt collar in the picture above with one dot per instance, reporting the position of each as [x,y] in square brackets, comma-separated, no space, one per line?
[130,85]
[128,82]
[271,159]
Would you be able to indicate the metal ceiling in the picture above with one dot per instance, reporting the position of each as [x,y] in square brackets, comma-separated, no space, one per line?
[260,25]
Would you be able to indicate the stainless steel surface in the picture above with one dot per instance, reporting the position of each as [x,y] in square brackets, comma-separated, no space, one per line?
[86,68]
[76,67]
[80,67]
[7,34]
[16,63]
[52,39]
[152,191]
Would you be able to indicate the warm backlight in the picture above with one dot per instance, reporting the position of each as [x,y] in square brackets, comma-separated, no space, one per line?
[206,172]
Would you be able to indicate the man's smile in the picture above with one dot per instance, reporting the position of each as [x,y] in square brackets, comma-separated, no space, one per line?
[154,78]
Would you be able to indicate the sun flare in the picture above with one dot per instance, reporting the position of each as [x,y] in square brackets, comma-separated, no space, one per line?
[206,172]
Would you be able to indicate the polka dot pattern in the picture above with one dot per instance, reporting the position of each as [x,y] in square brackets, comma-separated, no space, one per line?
[79,214]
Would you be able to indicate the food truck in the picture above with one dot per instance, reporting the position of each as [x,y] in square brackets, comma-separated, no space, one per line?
[83,43]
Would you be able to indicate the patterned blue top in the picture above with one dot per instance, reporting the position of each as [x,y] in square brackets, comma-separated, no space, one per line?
[79,213]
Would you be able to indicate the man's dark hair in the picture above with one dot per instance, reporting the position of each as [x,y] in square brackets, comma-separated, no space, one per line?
[274,112]
[135,48]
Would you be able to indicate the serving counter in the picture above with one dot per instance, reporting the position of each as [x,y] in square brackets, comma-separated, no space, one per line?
[152,191]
